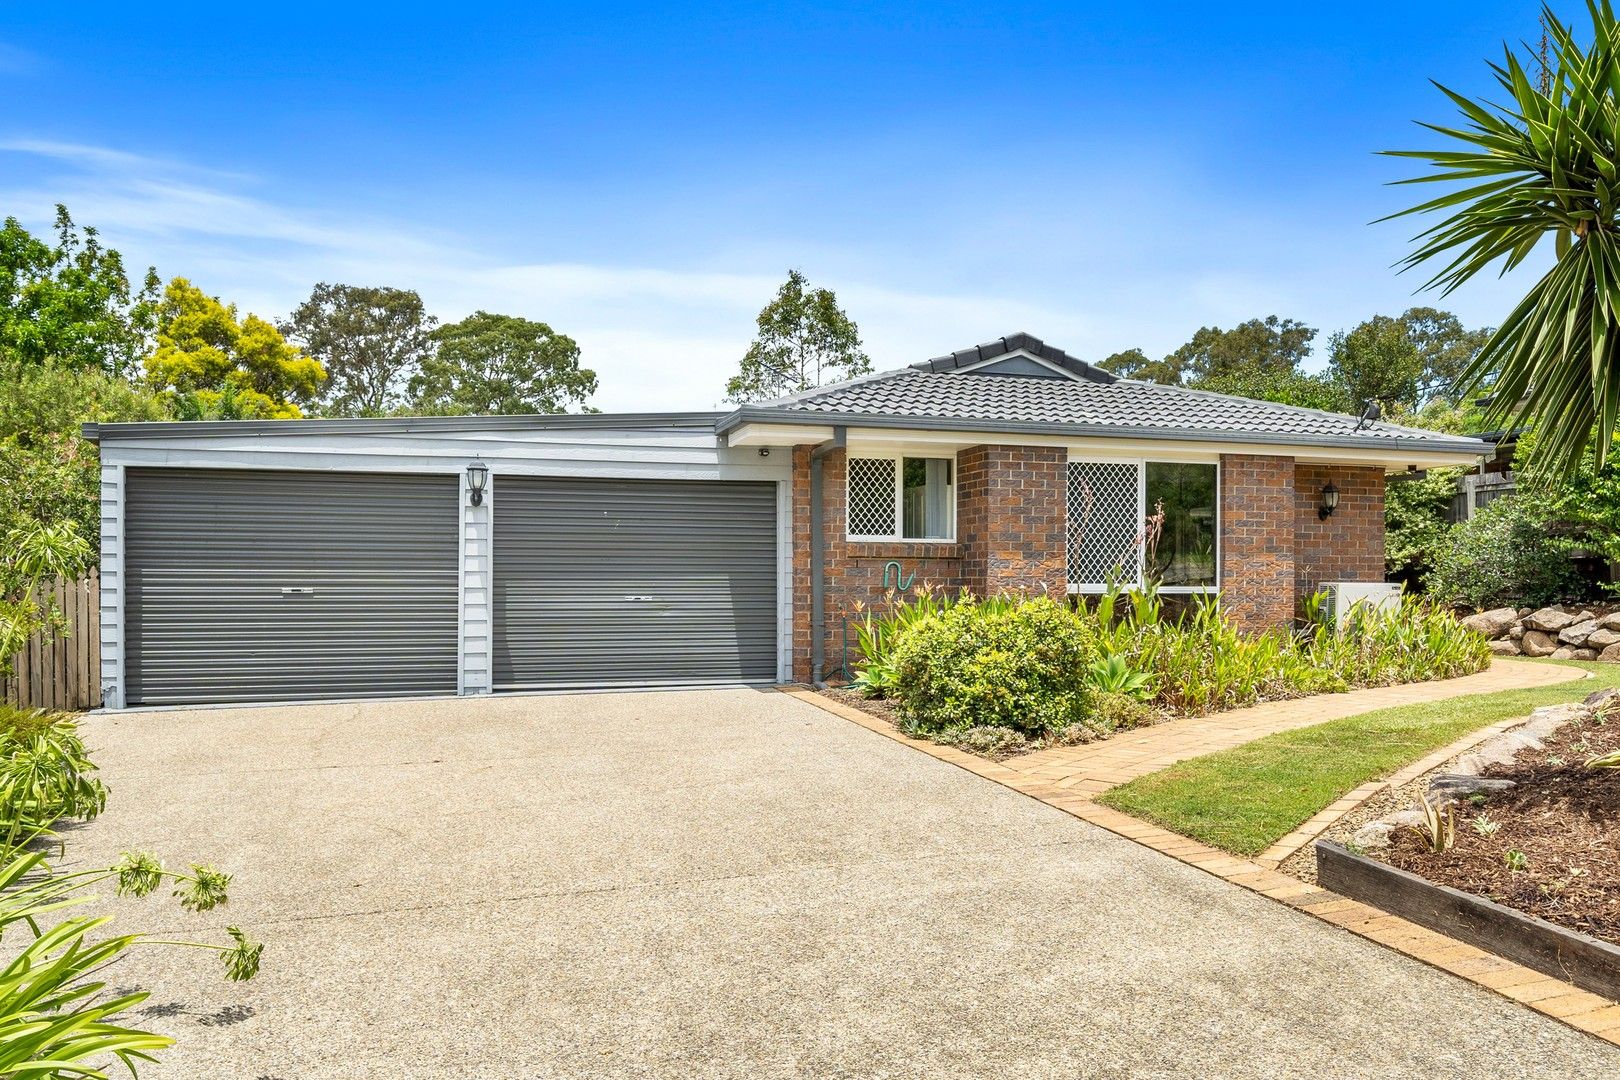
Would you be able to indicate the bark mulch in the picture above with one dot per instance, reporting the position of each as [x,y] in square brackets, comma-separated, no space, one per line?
[1561,815]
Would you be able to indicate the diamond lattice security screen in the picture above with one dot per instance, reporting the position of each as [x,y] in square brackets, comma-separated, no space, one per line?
[1104,521]
[872,497]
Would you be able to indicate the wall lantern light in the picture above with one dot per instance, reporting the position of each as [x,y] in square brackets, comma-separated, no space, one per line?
[1330,501]
[477,477]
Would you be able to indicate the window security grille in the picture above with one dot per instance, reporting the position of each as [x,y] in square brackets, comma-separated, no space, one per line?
[871,497]
[1105,521]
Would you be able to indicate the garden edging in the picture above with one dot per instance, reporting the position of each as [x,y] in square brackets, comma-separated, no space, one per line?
[1551,997]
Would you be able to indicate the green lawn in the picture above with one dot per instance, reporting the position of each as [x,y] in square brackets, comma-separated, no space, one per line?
[1246,799]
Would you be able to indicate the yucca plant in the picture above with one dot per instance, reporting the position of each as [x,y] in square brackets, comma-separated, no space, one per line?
[1438,827]
[1542,162]
[1611,760]
[1114,675]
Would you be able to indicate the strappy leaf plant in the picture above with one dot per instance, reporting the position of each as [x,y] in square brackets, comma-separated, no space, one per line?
[1540,163]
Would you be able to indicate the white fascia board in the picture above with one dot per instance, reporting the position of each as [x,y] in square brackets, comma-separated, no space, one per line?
[754,434]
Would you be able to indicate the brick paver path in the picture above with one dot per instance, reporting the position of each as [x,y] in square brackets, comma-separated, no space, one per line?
[1095,767]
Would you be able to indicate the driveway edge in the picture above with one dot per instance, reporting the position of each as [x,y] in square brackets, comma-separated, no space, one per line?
[1554,998]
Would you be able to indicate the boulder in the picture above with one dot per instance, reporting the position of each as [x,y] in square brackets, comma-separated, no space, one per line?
[1516,632]
[1493,623]
[1505,647]
[1598,698]
[1537,643]
[1571,652]
[1374,834]
[1577,633]
[1611,621]
[1602,638]
[1458,786]
[1611,654]
[1401,818]
[1549,620]
[1525,611]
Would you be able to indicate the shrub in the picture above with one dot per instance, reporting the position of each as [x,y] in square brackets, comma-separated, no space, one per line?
[1019,664]
[988,741]
[1114,675]
[44,773]
[1505,555]
[1120,712]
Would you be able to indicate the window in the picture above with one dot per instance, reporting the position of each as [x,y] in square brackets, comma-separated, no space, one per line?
[1184,556]
[1111,537]
[902,498]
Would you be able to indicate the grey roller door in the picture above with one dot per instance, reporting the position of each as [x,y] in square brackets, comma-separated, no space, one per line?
[633,582]
[266,586]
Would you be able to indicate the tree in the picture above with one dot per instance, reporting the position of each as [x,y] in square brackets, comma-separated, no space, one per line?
[370,339]
[1539,165]
[1286,388]
[71,302]
[1376,361]
[500,365]
[1263,346]
[1134,364]
[203,351]
[1445,347]
[805,340]
[50,474]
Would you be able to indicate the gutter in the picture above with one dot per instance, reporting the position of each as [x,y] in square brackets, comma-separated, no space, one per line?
[818,546]
[400,425]
[758,414]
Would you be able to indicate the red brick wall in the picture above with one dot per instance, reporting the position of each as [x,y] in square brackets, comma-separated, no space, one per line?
[1257,540]
[1349,546]
[1010,522]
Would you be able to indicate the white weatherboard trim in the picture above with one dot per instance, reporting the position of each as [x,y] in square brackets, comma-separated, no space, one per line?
[653,455]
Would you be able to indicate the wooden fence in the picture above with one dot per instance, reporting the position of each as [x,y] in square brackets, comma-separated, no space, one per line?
[58,671]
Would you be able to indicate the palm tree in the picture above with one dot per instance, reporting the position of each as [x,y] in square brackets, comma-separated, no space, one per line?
[1546,160]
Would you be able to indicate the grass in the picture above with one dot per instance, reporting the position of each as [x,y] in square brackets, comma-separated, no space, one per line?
[1247,798]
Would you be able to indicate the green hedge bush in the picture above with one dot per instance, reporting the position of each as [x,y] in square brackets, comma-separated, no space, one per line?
[1023,665]
[1505,555]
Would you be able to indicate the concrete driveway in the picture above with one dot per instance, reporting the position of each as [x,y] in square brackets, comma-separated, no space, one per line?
[721,884]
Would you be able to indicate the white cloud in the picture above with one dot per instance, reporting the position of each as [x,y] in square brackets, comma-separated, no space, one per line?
[659,337]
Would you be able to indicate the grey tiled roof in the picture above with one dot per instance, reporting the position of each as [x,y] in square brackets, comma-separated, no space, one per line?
[936,394]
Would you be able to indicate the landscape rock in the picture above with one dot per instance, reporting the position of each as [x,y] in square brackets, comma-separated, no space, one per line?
[1493,623]
[1602,638]
[1457,786]
[1577,633]
[1516,632]
[1374,834]
[1405,818]
[1611,653]
[1505,647]
[1525,611]
[1598,698]
[1571,652]
[1611,621]
[1537,643]
[1549,620]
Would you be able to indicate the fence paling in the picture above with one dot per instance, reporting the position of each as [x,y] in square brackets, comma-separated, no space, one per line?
[57,671]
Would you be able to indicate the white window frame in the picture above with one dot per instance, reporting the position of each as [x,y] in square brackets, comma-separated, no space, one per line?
[899,460]
[1141,464]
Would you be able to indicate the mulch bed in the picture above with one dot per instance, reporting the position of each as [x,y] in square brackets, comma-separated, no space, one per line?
[1562,815]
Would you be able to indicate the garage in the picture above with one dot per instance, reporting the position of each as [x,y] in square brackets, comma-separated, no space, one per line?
[609,582]
[264,585]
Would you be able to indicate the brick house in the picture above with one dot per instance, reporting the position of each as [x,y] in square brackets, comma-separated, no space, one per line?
[317,559]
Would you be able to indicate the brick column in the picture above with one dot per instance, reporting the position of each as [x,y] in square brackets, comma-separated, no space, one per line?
[1011,518]
[1258,518]
[1349,546]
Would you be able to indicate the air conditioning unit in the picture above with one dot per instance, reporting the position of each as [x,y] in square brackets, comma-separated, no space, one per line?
[1345,596]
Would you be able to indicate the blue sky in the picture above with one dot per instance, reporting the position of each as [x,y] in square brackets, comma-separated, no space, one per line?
[642,177]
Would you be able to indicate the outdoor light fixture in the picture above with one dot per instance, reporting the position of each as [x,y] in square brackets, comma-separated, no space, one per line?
[1330,501]
[477,477]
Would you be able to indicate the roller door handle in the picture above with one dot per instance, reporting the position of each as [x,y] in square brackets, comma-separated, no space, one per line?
[299,590]
[639,598]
